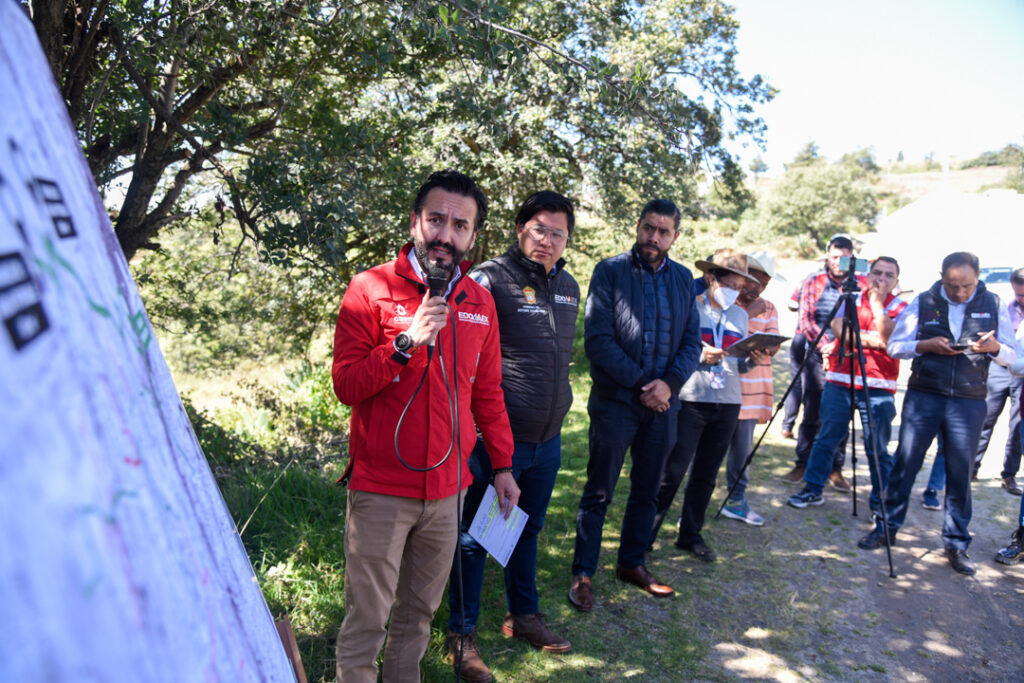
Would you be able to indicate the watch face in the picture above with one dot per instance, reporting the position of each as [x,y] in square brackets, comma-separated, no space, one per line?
[403,341]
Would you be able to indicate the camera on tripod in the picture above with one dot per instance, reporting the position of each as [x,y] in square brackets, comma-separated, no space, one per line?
[852,266]
[858,265]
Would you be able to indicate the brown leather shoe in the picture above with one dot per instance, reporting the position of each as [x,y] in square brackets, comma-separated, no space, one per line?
[1010,484]
[839,482]
[532,629]
[473,668]
[579,593]
[639,576]
[788,434]
[794,475]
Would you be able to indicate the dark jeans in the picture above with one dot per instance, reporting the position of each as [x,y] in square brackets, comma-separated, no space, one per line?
[813,379]
[615,427]
[797,349]
[739,449]
[1001,386]
[959,421]
[835,421]
[535,467]
[705,431]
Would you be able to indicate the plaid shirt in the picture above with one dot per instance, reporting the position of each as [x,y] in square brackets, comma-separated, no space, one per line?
[811,290]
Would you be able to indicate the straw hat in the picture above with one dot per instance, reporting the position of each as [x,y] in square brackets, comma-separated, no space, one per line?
[727,259]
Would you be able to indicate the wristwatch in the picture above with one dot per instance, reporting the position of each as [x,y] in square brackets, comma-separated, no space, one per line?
[403,342]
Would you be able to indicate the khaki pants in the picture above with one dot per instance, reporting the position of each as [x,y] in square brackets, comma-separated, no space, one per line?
[398,553]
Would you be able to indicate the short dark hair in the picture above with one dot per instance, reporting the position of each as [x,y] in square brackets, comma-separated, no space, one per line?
[960,258]
[1017,277]
[839,242]
[546,200]
[662,207]
[459,183]
[887,259]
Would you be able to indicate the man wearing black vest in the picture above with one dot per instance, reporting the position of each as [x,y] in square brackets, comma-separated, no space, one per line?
[537,301]
[643,342]
[952,332]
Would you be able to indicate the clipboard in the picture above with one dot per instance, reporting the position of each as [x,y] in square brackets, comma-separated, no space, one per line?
[758,340]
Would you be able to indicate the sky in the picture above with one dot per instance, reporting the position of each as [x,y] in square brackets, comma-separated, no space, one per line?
[942,77]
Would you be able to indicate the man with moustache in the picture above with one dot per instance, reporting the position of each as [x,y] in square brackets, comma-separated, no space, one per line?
[876,312]
[643,341]
[537,301]
[953,332]
[395,364]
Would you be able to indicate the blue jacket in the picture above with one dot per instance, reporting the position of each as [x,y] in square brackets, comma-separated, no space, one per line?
[614,327]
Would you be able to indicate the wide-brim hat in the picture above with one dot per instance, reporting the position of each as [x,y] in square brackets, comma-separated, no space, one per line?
[727,259]
[765,262]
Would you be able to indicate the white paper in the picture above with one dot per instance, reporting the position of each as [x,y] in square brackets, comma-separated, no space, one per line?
[118,558]
[496,534]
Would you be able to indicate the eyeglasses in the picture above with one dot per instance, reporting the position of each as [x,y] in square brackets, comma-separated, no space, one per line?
[539,232]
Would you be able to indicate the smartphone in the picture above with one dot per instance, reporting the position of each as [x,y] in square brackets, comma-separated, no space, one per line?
[959,346]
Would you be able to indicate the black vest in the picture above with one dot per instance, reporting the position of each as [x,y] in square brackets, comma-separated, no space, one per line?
[537,320]
[964,375]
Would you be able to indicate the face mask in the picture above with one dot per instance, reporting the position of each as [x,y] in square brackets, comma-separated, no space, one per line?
[726,297]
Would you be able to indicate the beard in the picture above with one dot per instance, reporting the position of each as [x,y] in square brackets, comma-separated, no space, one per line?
[651,253]
[422,250]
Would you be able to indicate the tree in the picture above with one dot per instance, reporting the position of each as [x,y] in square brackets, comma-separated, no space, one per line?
[808,154]
[307,123]
[757,167]
[819,200]
[863,158]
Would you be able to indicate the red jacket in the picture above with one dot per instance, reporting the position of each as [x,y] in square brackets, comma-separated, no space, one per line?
[369,375]
[881,369]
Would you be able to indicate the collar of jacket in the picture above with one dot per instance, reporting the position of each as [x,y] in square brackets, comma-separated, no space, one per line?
[528,264]
[939,293]
[405,270]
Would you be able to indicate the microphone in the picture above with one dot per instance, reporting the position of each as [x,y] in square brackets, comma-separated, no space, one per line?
[437,283]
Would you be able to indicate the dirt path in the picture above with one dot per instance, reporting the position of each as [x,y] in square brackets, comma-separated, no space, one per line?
[812,605]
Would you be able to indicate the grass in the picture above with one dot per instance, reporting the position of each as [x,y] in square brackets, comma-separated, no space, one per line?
[294,525]
[793,599]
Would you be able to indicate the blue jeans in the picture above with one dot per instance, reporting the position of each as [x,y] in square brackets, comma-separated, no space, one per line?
[535,467]
[739,451]
[959,421]
[813,381]
[835,421]
[615,427]
[797,350]
[937,477]
[1001,386]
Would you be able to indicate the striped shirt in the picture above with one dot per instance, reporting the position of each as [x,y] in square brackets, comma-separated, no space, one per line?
[756,384]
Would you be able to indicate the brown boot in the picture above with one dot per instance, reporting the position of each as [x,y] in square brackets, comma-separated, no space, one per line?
[839,482]
[794,475]
[473,668]
[532,629]
[580,594]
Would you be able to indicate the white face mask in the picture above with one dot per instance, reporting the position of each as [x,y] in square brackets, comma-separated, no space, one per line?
[725,296]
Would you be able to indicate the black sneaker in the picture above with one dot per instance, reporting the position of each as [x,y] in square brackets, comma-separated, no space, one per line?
[876,539]
[805,498]
[699,549]
[1013,553]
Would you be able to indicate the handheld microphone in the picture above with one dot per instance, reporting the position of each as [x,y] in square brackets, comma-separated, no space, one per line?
[437,283]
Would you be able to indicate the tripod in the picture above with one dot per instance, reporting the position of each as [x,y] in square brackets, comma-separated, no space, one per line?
[851,341]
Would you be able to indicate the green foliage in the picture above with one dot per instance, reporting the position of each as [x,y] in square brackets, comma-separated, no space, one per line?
[1009,155]
[310,124]
[815,200]
[808,154]
[219,303]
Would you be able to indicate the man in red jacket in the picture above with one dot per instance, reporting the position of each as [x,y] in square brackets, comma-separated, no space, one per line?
[417,385]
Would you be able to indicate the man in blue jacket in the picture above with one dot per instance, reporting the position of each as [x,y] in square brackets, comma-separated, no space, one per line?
[643,341]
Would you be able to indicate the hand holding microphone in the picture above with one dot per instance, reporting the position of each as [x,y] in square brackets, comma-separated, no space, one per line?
[432,314]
